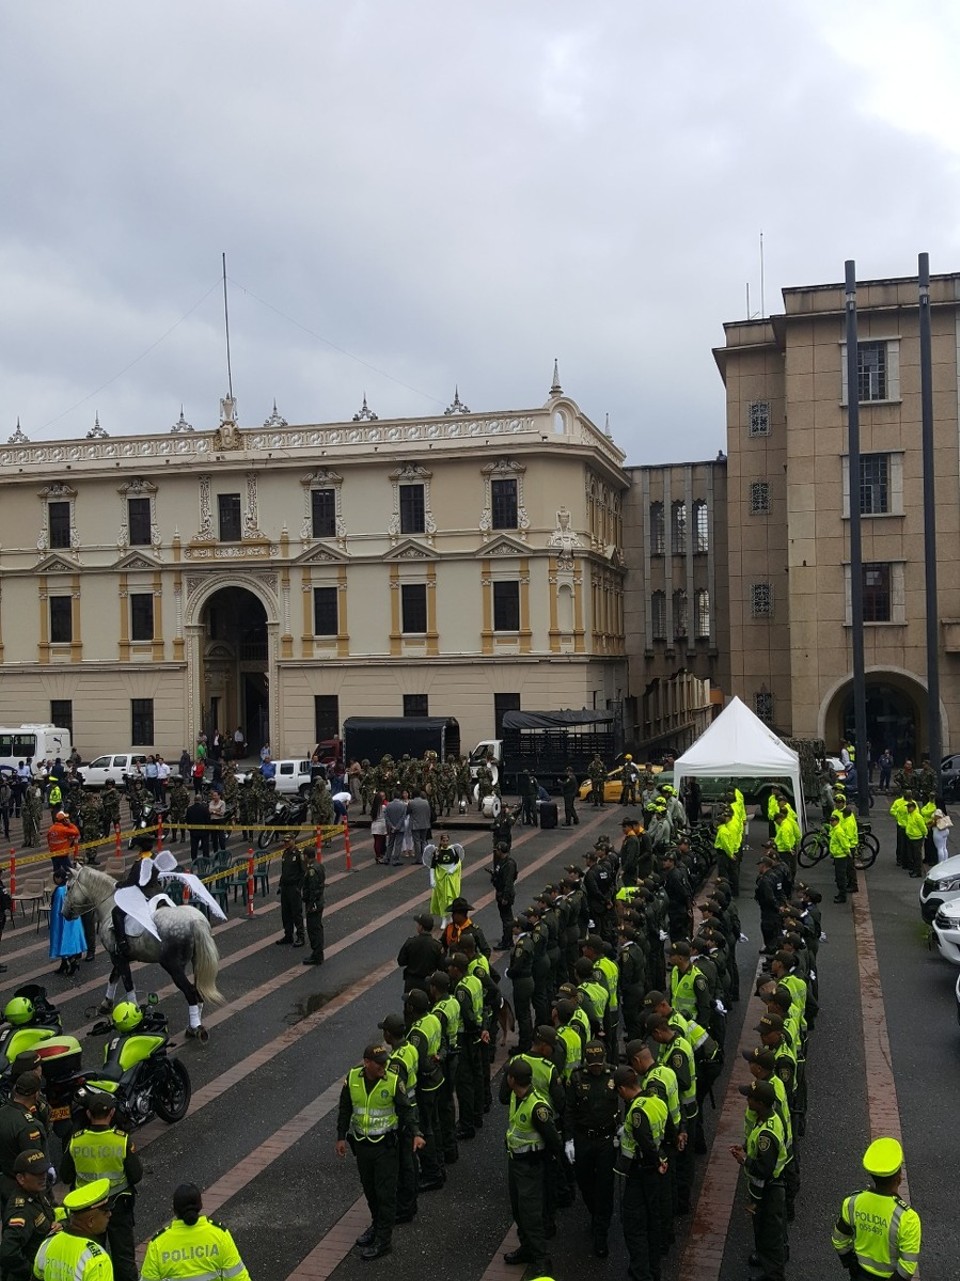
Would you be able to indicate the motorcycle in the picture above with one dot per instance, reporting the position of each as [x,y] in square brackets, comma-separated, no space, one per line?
[286,814]
[151,814]
[17,1038]
[138,1075]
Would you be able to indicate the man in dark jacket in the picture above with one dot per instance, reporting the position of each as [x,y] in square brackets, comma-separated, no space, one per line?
[420,955]
[769,896]
[504,877]
[679,896]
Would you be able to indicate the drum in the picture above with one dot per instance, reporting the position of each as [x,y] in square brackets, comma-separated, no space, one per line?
[492,806]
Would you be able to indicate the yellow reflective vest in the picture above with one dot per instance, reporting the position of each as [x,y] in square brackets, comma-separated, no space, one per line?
[203,1251]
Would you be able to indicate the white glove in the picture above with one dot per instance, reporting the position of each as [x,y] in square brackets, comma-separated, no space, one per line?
[720,1007]
[664,936]
[568,1149]
[52,1173]
[743,938]
[823,936]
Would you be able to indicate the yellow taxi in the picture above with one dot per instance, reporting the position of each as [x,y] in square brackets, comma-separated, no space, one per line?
[613,784]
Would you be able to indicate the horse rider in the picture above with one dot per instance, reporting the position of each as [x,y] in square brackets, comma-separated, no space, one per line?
[144,876]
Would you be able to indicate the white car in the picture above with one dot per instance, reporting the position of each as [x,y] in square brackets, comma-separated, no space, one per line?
[293,778]
[940,885]
[946,931]
[112,766]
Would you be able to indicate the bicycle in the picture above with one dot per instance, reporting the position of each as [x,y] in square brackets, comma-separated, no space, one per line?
[816,846]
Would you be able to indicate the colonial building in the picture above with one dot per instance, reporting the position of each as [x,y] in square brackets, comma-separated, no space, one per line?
[285,577]
[788,505]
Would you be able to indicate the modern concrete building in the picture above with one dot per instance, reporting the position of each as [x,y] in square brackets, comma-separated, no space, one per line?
[285,577]
[788,503]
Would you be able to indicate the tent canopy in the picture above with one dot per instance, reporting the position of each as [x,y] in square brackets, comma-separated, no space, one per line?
[739,745]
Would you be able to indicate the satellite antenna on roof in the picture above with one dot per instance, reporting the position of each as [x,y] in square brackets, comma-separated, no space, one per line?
[226,326]
[763,305]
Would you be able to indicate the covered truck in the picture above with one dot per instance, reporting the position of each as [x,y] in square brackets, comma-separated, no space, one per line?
[373,737]
[545,743]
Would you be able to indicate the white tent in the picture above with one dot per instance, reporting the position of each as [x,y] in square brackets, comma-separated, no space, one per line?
[739,745]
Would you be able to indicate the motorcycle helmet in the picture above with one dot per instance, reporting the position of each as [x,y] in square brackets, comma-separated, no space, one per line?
[127,1017]
[19,1011]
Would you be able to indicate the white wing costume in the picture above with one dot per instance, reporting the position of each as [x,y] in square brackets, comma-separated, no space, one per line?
[140,909]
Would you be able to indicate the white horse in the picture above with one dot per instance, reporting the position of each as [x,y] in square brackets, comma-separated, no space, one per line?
[185,938]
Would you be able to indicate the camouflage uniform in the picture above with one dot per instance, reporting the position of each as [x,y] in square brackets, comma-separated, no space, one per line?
[248,808]
[484,783]
[447,786]
[109,810]
[598,774]
[136,799]
[177,813]
[31,811]
[230,786]
[91,823]
[321,804]
[463,780]
[367,787]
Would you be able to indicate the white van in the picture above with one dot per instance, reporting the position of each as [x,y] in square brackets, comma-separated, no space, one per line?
[40,742]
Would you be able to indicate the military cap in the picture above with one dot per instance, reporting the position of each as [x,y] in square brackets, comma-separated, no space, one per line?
[377,1053]
[393,1024]
[33,1161]
[761,1092]
[89,1196]
[765,1058]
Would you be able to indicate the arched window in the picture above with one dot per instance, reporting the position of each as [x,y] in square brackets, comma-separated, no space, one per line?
[658,615]
[657,530]
[681,622]
[701,526]
[703,613]
[678,527]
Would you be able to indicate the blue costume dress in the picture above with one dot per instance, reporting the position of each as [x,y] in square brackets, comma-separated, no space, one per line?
[66,937]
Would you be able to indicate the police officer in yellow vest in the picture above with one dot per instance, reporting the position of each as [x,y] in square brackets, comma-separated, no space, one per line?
[403,1063]
[532,1140]
[763,1160]
[876,1234]
[100,1151]
[193,1247]
[642,1163]
[75,1252]
[374,1117]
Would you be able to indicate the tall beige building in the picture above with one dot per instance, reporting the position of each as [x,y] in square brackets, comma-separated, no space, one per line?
[286,577]
[788,498]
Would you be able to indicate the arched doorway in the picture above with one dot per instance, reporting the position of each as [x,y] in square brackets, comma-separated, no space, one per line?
[234,681]
[896,715]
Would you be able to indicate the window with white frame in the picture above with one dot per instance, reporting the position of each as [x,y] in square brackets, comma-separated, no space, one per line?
[761,600]
[884,593]
[759,417]
[759,497]
[881,484]
[878,371]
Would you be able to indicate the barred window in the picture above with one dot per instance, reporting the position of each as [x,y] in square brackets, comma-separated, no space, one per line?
[872,371]
[761,600]
[678,527]
[876,593]
[657,529]
[681,621]
[874,484]
[701,526]
[703,613]
[759,418]
[759,497]
[658,615]
[763,706]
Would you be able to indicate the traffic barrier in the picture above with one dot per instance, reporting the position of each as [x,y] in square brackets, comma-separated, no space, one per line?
[118,845]
[346,843]
[250,883]
[318,843]
[159,833]
[13,874]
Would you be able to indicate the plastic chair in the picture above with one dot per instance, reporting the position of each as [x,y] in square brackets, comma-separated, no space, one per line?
[30,894]
[45,906]
[237,881]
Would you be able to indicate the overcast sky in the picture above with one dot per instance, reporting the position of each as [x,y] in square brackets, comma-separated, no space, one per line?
[414,194]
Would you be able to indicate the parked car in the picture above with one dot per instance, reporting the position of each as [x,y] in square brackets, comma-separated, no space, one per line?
[293,777]
[946,931]
[613,785]
[940,885]
[111,766]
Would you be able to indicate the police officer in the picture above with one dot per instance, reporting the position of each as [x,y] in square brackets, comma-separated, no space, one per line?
[876,1233]
[292,870]
[30,1217]
[592,1118]
[532,1139]
[503,877]
[75,1252]
[21,1130]
[191,1244]
[468,993]
[403,1063]
[421,954]
[447,1009]
[763,1160]
[520,974]
[314,884]
[425,1034]
[375,1116]
[641,1163]
[100,1151]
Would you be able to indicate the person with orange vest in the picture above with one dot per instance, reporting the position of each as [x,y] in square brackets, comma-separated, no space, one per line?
[62,838]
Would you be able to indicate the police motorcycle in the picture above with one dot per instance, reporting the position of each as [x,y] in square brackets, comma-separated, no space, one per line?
[29,1020]
[151,814]
[286,814]
[137,1074]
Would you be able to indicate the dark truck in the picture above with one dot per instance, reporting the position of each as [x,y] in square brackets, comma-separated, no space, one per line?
[545,743]
[373,737]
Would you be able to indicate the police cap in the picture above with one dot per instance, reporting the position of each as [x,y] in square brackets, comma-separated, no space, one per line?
[764,1058]
[417,1001]
[377,1053]
[89,1196]
[545,1034]
[883,1158]
[653,999]
[27,1084]
[770,1023]
[520,1071]
[595,1052]
[33,1161]
[681,948]
[761,1092]
[393,1024]
[425,920]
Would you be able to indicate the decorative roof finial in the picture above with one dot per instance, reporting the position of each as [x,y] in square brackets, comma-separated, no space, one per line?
[606,424]
[181,424]
[365,413]
[456,406]
[556,389]
[276,419]
[18,437]
[96,432]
